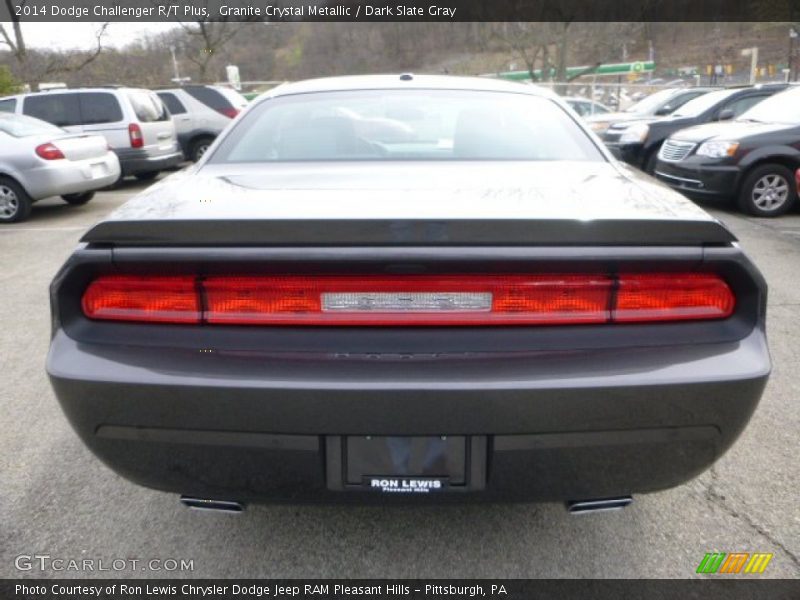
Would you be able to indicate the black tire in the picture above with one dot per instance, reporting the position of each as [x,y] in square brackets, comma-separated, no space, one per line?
[147,175]
[650,163]
[199,147]
[15,204]
[77,199]
[768,191]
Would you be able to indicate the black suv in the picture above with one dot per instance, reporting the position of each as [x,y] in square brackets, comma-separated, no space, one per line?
[638,142]
[752,159]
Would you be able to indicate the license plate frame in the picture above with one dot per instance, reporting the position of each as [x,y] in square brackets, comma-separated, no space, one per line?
[350,468]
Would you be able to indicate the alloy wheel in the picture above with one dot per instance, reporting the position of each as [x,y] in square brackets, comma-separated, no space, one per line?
[9,202]
[770,192]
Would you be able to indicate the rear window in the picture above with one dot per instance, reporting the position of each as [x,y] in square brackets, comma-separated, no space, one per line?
[8,105]
[59,109]
[20,126]
[99,107]
[406,125]
[147,106]
[174,105]
[210,97]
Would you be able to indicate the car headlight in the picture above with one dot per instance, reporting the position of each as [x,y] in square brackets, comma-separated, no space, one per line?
[635,134]
[599,126]
[717,149]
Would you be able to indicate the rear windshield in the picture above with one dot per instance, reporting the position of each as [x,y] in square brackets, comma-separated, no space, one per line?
[20,126]
[210,97]
[147,106]
[406,125]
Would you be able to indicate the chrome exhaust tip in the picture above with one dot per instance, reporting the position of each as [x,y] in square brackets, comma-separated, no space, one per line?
[579,507]
[224,506]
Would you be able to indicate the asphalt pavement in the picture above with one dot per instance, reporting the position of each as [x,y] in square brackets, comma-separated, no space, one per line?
[57,500]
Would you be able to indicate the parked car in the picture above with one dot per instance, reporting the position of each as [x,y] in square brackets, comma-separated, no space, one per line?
[201,112]
[135,123]
[39,160]
[753,158]
[638,142]
[585,107]
[491,308]
[660,103]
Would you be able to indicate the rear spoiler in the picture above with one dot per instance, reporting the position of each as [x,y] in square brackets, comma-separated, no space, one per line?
[455,232]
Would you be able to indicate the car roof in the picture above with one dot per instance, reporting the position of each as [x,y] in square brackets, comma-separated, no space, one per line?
[99,88]
[402,82]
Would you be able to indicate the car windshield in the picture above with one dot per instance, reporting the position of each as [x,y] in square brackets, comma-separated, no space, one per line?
[780,108]
[21,126]
[650,104]
[406,125]
[701,104]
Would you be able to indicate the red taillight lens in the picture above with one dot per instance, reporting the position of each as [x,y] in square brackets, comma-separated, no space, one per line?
[433,300]
[672,297]
[135,135]
[49,152]
[797,180]
[134,298]
[229,112]
[416,300]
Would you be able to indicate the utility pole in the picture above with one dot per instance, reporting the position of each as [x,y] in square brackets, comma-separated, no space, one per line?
[792,37]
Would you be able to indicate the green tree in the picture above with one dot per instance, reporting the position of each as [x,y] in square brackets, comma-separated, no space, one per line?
[8,85]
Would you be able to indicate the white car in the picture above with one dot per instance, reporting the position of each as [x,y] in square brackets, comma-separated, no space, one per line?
[201,112]
[39,160]
[135,123]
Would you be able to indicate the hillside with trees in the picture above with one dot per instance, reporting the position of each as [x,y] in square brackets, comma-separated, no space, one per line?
[290,51]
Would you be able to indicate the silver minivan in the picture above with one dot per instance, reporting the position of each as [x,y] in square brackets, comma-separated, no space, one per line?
[135,122]
[201,112]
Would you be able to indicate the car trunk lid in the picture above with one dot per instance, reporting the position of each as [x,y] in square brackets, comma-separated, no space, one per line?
[415,204]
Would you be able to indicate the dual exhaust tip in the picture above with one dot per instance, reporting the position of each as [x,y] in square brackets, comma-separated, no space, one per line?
[576,507]
[579,507]
[220,506]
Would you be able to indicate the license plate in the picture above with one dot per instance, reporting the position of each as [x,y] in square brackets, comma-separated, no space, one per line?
[99,170]
[406,464]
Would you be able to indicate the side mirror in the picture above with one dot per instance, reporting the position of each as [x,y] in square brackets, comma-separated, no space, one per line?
[664,110]
[725,115]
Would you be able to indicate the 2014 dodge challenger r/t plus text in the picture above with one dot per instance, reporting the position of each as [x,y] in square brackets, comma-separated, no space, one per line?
[408,287]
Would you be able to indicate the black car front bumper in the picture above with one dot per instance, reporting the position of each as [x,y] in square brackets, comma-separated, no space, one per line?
[696,176]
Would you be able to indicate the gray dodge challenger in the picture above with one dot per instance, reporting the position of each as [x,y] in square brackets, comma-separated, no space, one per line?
[408,287]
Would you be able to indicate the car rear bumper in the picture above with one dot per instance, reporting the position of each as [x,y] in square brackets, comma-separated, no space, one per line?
[552,425]
[699,179]
[142,161]
[61,177]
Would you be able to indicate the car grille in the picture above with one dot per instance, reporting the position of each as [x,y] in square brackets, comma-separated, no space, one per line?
[673,151]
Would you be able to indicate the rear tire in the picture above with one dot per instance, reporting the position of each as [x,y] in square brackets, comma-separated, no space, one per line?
[768,191]
[15,204]
[198,148]
[147,175]
[77,199]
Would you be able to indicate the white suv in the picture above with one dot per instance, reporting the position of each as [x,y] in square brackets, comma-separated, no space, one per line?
[201,112]
[135,123]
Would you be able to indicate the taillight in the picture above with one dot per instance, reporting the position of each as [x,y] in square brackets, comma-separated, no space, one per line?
[49,152]
[797,180]
[229,112]
[424,300]
[135,134]
[672,297]
[134,298]
[415,300]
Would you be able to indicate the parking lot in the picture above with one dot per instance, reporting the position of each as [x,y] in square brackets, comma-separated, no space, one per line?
[56,499]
